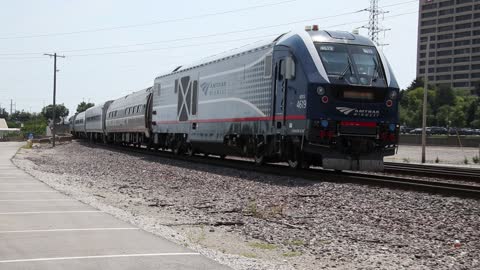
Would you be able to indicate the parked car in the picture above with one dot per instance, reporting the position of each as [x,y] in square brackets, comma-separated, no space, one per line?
[405,130]
[438,130]
[466,131]
[416,131]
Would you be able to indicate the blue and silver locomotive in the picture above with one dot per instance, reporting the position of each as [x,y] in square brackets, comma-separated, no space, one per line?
[311,97]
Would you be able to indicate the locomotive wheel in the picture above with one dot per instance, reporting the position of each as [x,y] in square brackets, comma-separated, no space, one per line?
[178,149]
[298,161]
[190,151]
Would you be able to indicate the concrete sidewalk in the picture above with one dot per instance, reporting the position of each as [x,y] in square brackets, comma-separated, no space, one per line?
[41,228]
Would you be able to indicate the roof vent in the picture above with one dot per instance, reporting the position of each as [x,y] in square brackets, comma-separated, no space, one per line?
[177,68]
[341,35]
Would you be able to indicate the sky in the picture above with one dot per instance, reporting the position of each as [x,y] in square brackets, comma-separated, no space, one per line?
[115,47]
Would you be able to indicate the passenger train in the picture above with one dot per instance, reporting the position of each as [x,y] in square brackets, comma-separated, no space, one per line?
[313,97]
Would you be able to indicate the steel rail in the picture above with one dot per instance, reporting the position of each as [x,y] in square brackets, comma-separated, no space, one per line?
[466,174]
[314,174]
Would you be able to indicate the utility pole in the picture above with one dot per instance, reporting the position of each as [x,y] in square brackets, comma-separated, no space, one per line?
[424,110]
[54,91]
[11,106]
[373,26]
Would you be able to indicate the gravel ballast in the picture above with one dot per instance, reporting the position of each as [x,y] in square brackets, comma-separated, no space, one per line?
[249,220]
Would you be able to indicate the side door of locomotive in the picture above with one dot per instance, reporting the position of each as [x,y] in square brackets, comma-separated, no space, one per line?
[281,60]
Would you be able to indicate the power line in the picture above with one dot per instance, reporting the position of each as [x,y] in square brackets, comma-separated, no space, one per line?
[178,46]
[196,37]
[206,36]
[150,23]
[221,42]
[210,35]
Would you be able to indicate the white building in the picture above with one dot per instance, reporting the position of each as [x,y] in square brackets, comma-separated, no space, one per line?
[4,128]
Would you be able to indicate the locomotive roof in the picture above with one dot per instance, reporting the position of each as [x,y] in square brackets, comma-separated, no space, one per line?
[339,37]
[316,36]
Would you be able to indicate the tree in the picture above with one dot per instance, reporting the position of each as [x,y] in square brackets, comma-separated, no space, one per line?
[416,83]
[84,106]
[20,116]
[3,113]
[60,112]
[445,96]
[411,107]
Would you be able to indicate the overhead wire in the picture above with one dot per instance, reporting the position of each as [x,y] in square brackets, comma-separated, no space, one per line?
[150,23]
[205,36]
[2,56]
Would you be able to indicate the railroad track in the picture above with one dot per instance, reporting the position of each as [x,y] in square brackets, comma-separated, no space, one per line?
[466,174]
[435,187]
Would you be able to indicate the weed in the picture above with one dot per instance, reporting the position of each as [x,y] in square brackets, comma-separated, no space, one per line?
[252,208]
[291,254]
[406,160]
[265,246]
[249,255]
[276,211]
[197,237]
[28,145]
[437,160]
[476,159]
[297,242]
[465,161]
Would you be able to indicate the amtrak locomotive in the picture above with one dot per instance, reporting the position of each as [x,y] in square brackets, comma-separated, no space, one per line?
[311,97]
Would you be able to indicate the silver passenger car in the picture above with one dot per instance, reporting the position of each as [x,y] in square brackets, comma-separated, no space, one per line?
[79,125]
[127,118]
[95,121]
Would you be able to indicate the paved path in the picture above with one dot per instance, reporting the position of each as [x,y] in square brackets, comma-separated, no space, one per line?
[41,228]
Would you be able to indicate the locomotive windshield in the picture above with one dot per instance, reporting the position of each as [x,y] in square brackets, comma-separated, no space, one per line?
[353,64]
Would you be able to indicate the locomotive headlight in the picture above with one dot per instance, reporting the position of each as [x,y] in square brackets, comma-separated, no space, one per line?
[392,95]
[320,91]
[392,127]
[324,123]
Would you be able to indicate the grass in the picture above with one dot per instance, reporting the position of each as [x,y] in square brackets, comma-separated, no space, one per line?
[296,242]
[264,246]
[291,254]
[249,255]
[28,145]
[255,211]
[197,237]
[252,208]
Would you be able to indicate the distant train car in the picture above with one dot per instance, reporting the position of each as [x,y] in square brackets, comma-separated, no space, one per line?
[79,125]
[71,122]
[95,118]
[309,97]
[128,118]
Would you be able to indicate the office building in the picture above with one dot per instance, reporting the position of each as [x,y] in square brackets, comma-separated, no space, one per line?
[451,28]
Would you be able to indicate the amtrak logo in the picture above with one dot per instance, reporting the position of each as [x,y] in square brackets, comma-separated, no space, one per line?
[345,110]
[214,88]
[205,87]
[358,112]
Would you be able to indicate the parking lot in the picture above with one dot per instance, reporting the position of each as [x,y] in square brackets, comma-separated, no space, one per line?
[40,228]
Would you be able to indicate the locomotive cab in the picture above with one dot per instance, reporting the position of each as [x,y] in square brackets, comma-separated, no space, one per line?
[350,101]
